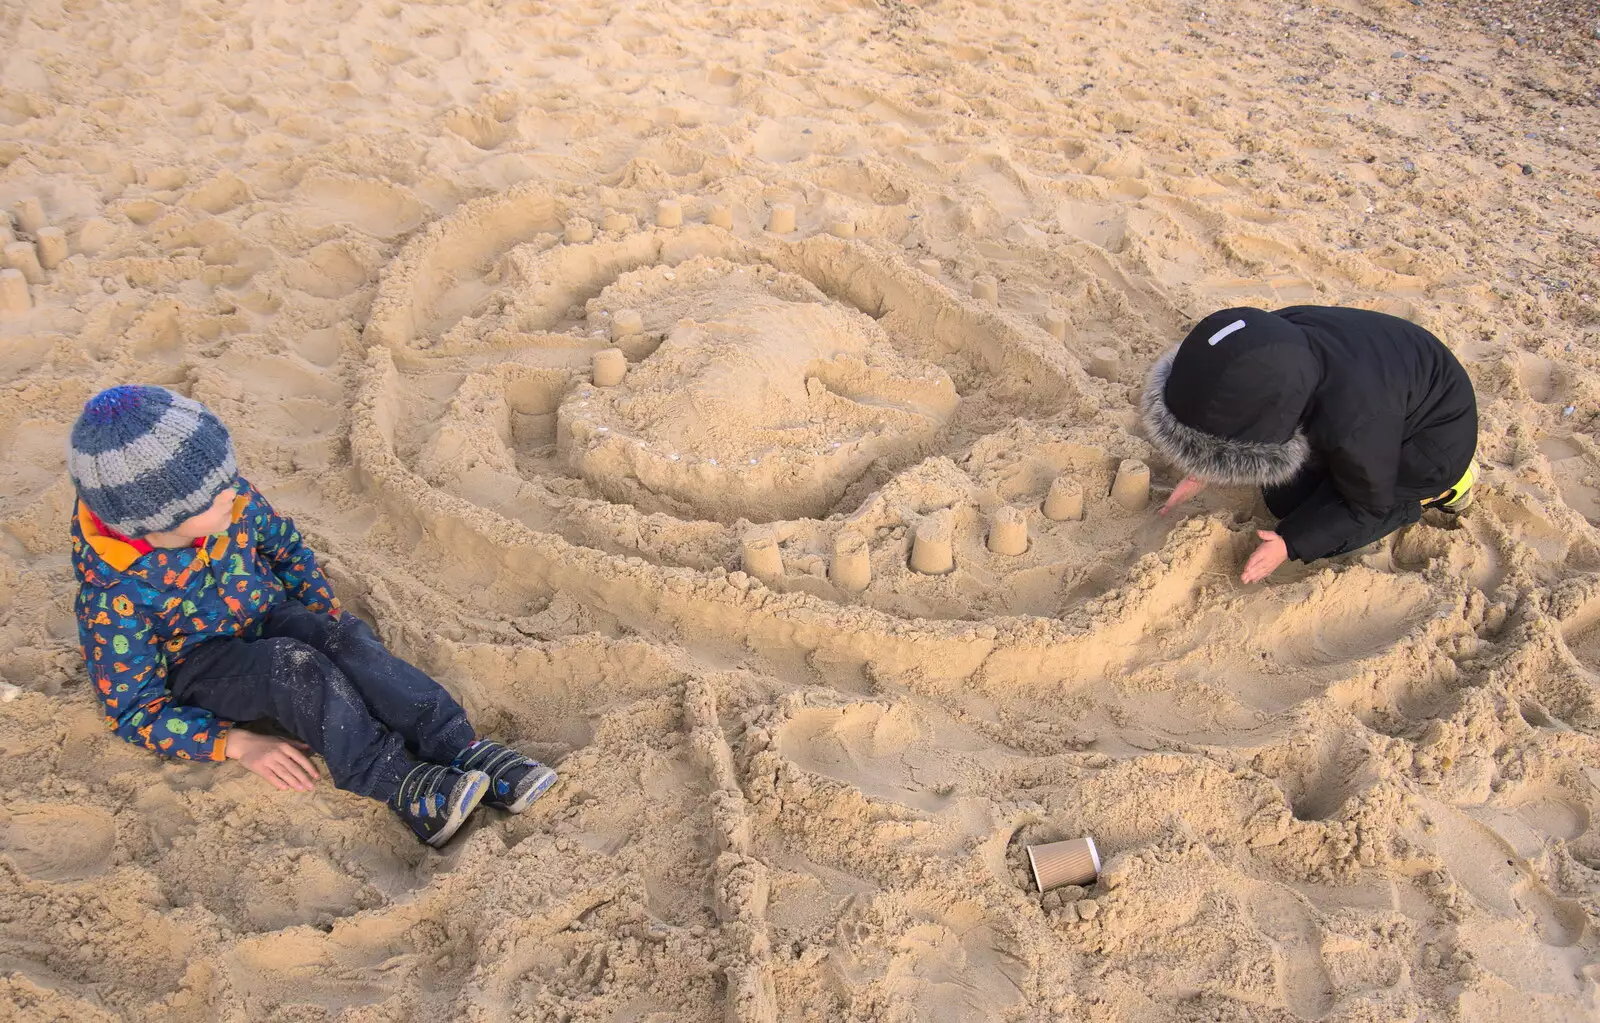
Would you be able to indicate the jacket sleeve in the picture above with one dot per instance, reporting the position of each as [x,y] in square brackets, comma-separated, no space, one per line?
[292,561]
[128,668]
[1363,467]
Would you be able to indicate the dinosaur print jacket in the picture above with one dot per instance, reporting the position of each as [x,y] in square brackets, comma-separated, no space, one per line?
[139,613]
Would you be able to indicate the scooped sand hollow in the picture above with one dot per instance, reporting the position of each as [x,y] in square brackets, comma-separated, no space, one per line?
[801,760]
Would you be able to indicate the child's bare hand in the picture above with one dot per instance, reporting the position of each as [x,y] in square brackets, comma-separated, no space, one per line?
[282,762]
[1272,553]
[1182,492]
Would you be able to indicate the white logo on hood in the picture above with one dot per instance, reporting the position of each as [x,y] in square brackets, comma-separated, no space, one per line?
[1225,331]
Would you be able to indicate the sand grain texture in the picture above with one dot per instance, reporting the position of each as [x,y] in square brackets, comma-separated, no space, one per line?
[385,241]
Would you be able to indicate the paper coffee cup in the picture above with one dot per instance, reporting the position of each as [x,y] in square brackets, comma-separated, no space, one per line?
[1075,861]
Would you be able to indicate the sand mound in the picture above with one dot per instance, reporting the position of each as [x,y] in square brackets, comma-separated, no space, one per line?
[783,602]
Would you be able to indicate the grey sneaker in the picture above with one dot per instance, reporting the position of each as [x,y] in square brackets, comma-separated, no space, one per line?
[435,801]
[515,780]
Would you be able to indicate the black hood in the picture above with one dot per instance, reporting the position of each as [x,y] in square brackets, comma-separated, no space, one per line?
[1226,405]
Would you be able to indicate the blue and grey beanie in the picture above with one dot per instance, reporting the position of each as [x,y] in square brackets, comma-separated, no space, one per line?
[144,459]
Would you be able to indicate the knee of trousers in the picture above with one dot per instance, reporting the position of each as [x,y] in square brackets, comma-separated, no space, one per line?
[302,673]
[347,628]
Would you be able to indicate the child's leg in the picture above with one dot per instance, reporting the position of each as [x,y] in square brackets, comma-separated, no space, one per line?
[301,689]
[1311,485]
[403,697]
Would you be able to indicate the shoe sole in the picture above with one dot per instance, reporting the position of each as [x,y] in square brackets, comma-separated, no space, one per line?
[477,787]
[539,788]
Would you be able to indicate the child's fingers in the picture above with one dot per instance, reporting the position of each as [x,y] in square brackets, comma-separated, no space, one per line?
[294,754]
[283,769]
[294,767]
[1185,489]
[1252,568]
[271,775]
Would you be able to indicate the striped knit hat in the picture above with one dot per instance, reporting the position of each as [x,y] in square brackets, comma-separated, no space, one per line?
[144,459]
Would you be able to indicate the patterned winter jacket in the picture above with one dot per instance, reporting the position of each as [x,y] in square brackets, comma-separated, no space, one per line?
[138,614]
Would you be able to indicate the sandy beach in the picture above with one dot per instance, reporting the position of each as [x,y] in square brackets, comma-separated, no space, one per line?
[881,275]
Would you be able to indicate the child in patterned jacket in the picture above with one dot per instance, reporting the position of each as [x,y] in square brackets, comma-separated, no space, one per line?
[199,606]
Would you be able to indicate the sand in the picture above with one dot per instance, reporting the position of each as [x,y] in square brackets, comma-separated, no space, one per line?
[385,241]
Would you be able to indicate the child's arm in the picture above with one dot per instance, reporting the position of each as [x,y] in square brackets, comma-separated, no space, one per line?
[1363,469]
[292,561]
[128,669]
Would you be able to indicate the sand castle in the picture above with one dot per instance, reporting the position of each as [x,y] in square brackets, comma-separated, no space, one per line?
[14,296]
[610,365]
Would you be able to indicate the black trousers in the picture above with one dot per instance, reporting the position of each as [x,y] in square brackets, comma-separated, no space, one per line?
[1313,484]
[330,683]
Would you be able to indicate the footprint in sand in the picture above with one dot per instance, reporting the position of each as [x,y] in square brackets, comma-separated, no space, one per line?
[1287,921]
[57,842]
[882,749]
[1541,378]
[1490,867]
[330,270]
[1529,818]
[1552,811]
[943,960]
[334,973]
[1575,474]
[379,208]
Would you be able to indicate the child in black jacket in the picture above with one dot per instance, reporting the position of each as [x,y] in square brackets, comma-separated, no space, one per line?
[1350,421]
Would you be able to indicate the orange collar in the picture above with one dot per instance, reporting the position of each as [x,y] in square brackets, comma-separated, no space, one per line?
[120,552]
[139,544]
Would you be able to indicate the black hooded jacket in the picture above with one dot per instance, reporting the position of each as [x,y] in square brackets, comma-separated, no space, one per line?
[1375,403]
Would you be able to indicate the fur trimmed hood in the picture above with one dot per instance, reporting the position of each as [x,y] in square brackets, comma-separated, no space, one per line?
[1229,404]
[1213,458]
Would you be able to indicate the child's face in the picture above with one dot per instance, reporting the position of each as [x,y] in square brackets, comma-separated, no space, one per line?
[213,520]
